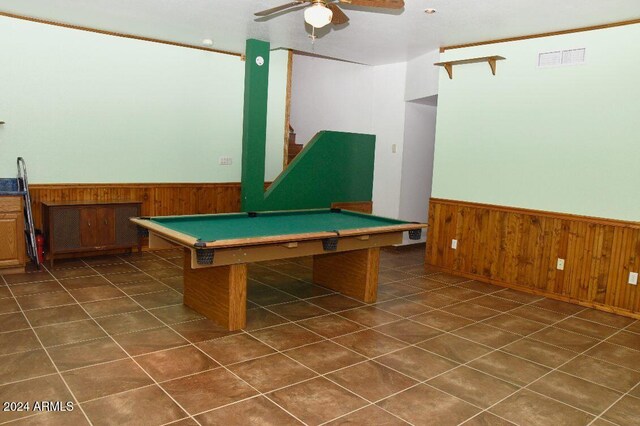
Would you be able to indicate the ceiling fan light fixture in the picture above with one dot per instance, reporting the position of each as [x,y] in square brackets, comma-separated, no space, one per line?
[318,15]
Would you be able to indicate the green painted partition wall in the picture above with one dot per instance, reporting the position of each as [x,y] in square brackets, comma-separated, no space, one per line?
[333,167]
[254,127]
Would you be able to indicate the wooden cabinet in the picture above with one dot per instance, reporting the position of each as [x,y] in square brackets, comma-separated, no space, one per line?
[86,228]
[97,226]
[12,242]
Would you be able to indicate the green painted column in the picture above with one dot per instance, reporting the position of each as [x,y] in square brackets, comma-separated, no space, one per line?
[254,130]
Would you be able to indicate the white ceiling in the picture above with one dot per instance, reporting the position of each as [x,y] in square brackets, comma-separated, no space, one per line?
[372,37]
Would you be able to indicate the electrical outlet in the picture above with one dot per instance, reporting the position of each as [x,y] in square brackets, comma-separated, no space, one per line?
[633,278]
[560,264]
[225,161]
[454,244]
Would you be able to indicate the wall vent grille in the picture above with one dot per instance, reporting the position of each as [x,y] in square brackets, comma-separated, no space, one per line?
[560,58]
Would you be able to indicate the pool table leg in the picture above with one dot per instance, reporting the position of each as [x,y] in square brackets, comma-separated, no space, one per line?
[219,293]
[353,273]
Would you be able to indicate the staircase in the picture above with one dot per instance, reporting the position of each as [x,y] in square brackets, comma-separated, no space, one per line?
[293,149]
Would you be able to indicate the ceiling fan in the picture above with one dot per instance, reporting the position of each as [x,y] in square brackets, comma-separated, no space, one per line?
[324,12]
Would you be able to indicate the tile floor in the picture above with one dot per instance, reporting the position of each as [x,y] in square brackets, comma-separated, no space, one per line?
[111,336]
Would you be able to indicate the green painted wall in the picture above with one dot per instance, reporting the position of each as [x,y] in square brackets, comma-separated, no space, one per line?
[84,107]
[333,167]
[564,139]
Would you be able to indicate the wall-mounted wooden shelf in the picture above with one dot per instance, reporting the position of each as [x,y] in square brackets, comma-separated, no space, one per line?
[491,60]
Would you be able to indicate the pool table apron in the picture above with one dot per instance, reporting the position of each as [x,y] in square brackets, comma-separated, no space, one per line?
[219,291]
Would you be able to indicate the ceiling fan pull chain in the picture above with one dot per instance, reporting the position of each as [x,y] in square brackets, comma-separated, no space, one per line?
[313,36]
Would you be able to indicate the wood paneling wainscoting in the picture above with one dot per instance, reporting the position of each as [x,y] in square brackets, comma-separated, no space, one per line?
[158,199]
[519,248]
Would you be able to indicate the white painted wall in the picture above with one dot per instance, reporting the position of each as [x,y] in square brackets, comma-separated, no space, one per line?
[421,92]
[333,95]
[417,163]
[422,76]
[276,114]
[388,126]
[330,95]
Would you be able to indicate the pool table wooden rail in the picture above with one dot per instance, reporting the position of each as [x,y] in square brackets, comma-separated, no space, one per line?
[192,242]
[279,250]
[291,249]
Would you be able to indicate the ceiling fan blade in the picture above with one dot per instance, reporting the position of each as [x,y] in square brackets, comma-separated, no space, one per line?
[386,4]
[279,8]
[338,15]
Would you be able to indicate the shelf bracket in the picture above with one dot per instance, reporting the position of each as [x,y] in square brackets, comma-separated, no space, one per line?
[449,69]
[492,65]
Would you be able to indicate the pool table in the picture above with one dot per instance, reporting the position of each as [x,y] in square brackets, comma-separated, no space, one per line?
[345,246]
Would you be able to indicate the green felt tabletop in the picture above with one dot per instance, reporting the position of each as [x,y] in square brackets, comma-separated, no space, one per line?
[240,225]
